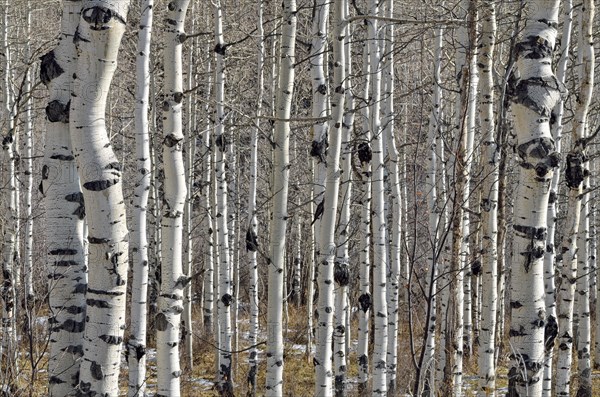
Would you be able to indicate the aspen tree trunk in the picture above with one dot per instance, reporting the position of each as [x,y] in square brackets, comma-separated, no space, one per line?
[97,41]
[9,228]
[28,260]
[586,76]
[281,135]
[489,203]
[573,252]
[465,123]
[251,233]
[65,212]
[207,219]
[136,344]
[534,93]
[393,275]
[556,129]
[426,375]
[365,300]
[379,222]
[329,270]
[342,265]
[191,139]
[225,296]
[173,281]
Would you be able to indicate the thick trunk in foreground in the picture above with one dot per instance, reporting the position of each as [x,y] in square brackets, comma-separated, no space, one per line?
[534,94]
[64,215]
[97,40]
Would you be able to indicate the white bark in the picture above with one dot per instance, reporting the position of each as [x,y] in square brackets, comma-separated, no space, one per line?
[435,121]
[225,295]
[394,272]
[329,271]
[380,260]
[532,104]
[556,129]
[9,227]
[283,101]
[173,281]
[97,41]
[586,76]
[28,256]
[136,344]
[489,204]
[65,211]
[251,233]
[365,300]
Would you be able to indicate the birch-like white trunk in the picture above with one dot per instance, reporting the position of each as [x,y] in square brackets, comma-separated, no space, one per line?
[251,233]
[136,344]
[534,93]
[173,280]
[329,271]
[225,295]
[379,369]
[394,272]
[427,364]
[9,229]
[489,203]
[365,301]
[586,76]
[65,211]
[28,174]
[97,41]
[281,136]
[556,129]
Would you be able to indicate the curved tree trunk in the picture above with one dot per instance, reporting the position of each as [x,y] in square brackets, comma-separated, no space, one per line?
[173,281]
[97,40]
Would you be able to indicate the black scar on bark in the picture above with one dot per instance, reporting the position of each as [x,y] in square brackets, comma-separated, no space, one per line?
[63,252]
[251,240]
[140,351]
[221,142]
[365,302]
[535,46]
[226,299]
[49,68]
[532,233]
[574,172]
[96,240]
[99,17]
[319,149]
[171,140]
[476,268]
[98,186]
[111,339]
[115,165]
[96,370]
[221,49]
[341,274]
[322,89]
[77,37]
[56,111]
[73,326]
[97,303]
[161,322]
[550,333]
[62,157]
[365,154]
[77,198]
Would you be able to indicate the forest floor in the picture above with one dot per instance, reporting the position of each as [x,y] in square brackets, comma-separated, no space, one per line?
[298,367]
